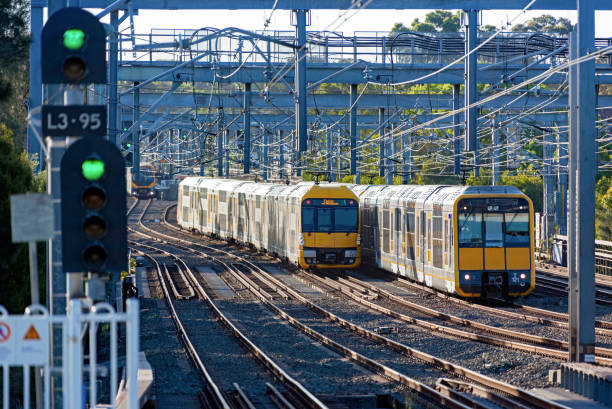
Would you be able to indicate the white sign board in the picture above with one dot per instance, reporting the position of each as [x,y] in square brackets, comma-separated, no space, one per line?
[7,340]
[24,340]
[31,217]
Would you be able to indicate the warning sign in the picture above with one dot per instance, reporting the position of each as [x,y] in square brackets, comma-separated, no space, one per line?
[5,332]
[31,334]
[7,340]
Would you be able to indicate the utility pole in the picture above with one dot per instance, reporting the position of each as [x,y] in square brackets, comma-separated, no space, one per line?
[136,137]
[301,119]
[495,154]
[456,130]
[583,153]
[470,21]
[353,120]
[246,158]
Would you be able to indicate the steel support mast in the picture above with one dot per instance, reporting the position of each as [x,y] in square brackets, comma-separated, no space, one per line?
[583,152]
[471,91]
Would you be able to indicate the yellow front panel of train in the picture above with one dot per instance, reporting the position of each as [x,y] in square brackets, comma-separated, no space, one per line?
[518,258]
[470,258]
[494,259]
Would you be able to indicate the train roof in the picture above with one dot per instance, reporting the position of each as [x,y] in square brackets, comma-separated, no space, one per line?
[380,193]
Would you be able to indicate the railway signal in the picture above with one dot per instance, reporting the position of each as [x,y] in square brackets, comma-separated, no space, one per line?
[73,48]
[94,237]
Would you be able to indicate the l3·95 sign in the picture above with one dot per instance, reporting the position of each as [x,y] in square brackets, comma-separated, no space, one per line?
[74,120]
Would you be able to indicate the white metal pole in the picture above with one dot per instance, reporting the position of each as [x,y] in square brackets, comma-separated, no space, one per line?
[132,352]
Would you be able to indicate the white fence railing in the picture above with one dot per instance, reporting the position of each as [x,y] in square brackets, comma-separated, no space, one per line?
[26,342]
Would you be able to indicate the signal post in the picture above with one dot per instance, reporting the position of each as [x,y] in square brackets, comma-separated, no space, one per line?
[86,173]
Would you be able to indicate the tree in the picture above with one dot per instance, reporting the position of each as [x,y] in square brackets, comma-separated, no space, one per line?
[15,177]
[14,57]
[437,21]
[545,24]
[529,181]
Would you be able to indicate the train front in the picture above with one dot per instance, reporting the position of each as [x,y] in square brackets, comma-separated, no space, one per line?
[494,243]
[330,228]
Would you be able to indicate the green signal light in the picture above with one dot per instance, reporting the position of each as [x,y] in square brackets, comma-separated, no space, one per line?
[74,39]
[129,145]
[92,169]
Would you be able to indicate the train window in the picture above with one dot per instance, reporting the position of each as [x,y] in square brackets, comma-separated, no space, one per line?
[324,219]
[385,219]
[185,214]
[410,247]
[410,222]
[346,219]
[308,219]
[258,203]
[470,229]
[517,229]
[222,196]
[398,219]
[436,227]
[494,235]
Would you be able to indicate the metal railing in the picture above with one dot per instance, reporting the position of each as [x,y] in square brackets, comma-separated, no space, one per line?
[603,254]
[81,326]
[326,47]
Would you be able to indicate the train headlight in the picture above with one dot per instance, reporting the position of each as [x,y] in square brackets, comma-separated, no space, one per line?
[467,277]
[350,253]
[310,253]
[301,240]
[523,276]
[358,239]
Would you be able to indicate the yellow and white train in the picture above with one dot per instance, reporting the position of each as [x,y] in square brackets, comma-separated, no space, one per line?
[475,241]
[308,224]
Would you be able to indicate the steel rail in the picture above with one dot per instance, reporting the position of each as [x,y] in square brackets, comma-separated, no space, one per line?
[603,328]
[603,353]
[213,390]
[284,377]
[396,376]
[522,394]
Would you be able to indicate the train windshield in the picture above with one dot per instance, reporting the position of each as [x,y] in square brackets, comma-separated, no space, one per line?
[493,222]
[330,215]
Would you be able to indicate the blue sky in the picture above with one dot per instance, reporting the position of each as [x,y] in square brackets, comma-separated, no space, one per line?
[364,20]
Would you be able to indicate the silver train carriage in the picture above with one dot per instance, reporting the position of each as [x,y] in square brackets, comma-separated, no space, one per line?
[308,224]
[470,240]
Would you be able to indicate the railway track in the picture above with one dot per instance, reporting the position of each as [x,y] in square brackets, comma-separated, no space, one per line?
[555,282]
[370,296]
[266,280]
[294,396]
[527,313]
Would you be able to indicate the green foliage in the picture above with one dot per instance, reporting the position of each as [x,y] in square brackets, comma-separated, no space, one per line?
[348,179]
[15,177]
[603,208]
[485,178]
[545,24]
[14,75]
[529,181]
[437,21]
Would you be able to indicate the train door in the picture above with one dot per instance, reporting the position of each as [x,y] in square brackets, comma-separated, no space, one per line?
[196,207]
[191,208]
[422,245]
[397,236]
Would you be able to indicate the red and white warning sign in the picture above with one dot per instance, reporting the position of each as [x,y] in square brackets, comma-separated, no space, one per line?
[5,332]
[32,340]
[7,341]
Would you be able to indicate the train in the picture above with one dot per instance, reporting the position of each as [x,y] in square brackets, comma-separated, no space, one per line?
[473,241]
[313,225]
[143,185]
